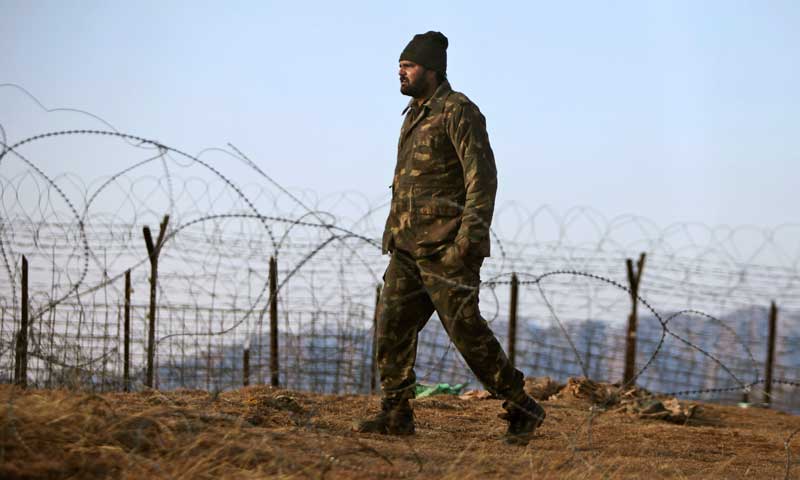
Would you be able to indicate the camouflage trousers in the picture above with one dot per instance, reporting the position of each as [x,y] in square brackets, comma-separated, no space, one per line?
[413,289]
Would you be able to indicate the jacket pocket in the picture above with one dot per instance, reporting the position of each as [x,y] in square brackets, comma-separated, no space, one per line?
[436,221]
[439,210]
[426,159]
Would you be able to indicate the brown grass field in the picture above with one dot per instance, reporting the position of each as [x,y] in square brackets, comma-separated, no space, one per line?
[260,432]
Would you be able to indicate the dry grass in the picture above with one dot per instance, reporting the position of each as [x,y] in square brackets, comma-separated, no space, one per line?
[259,432]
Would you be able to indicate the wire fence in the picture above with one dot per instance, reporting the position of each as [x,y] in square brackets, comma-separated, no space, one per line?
[705,292]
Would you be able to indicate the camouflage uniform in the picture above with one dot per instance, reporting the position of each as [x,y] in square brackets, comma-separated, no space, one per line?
[438,232]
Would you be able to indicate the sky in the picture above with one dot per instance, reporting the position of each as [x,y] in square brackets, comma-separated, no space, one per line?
[678,111]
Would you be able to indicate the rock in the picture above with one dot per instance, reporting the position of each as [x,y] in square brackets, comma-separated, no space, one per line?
[541,388]
[476,395]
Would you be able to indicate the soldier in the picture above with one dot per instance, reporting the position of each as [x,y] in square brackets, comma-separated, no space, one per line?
[438,235]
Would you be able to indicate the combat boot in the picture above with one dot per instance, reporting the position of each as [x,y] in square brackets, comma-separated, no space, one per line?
[395,418]
[523,418]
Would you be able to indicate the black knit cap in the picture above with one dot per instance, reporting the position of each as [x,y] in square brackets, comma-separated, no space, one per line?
[428,49]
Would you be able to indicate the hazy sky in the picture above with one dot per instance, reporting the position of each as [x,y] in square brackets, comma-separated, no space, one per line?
[677,111]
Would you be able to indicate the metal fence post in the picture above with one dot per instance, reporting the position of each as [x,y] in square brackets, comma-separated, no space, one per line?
[153,250]
[21,364]
[634,276]
[512,320]
[773,324]
[373,364]
[273,322]
[126,360]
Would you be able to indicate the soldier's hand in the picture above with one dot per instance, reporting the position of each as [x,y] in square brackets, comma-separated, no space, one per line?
[452,256]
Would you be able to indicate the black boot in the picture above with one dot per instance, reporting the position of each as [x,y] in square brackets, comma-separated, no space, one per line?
[523,417]
[395,418]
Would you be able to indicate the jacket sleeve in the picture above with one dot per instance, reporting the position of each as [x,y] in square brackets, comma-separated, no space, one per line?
[467,130]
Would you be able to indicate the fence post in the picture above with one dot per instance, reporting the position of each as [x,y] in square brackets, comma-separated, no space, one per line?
[246,364]
[153,250]
[21,364]
[773,324]
[373,364]
[273,321]
[126,360]
[512,320]
[634,276]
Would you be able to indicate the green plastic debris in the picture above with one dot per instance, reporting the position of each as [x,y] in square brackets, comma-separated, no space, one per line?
[423,391]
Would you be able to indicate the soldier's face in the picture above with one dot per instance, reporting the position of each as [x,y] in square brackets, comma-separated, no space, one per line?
[414,79]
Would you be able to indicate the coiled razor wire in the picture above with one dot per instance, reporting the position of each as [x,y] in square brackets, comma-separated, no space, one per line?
[340,234]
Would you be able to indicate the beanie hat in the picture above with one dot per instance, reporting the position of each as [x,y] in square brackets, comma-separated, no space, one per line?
[427,49]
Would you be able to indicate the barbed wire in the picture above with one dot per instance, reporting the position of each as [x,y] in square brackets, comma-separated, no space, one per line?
[176,231]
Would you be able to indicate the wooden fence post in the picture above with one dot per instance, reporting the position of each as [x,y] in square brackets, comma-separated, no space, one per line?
[373,364]
[246,365]
[773,324]
[273,322]
[153,250]
[21,364]
[634,276]
[512,320]
[126,359]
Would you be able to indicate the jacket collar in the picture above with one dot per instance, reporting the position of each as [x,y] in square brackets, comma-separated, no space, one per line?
[434,103]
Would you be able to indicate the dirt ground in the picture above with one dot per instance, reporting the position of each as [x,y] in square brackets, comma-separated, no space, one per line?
[260,432]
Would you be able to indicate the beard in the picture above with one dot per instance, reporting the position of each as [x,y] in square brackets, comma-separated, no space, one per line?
[413,89]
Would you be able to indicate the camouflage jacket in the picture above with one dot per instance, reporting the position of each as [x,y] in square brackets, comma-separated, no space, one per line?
[445,179]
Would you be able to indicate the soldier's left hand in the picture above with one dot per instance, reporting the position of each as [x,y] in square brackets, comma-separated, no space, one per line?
[452,256]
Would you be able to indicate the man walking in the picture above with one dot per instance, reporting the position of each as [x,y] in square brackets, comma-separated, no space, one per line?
[438,233]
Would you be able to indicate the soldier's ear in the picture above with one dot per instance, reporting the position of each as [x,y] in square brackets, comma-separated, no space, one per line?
[430,76]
